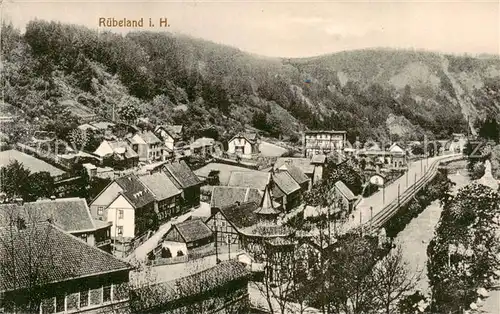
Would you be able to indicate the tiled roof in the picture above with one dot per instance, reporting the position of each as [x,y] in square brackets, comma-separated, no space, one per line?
[318,159]
[182,174]
[192,230]
[285,182]
[149,137]
[255,180]
[303,164]
[297,174]
[243,215]
[135,191]
[345,190]
[223,196]
[70,214]
[160,185]
[192,285]
[62,257]
[119,146]
[250,137]
[30,162]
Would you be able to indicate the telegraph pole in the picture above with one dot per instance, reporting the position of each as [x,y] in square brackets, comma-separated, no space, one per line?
[415,178]
[216,246]
[383,193]
[398,198]
[229,247]
[407,170]
[371,217]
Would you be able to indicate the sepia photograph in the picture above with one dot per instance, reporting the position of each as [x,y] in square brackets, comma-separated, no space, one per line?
[259,157]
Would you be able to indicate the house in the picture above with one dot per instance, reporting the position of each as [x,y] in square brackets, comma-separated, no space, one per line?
[223,288]
[323,142]
[184,179]
[147,146]
[227,222]
[130,206]
[120,151]
[398,154]
[249,179]
[203,145]
[166,194]
[167,136]
[244,145]
[224,196]
[194,233]
[286,190]
[71,275]
[344,197]
[70,214]
[300,177]
[311,167]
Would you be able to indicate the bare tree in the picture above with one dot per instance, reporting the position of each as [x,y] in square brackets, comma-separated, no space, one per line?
[392,280]
[26,255]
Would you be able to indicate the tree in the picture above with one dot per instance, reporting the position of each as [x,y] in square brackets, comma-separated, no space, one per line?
[393,280]
[39,185]
[14,178]
[489,130]
[78,139]
[213,177]
[129,112]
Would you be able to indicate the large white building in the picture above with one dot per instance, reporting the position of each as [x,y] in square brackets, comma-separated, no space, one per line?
[323,142]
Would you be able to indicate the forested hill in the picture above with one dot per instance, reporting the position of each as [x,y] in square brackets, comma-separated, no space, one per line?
[207,86]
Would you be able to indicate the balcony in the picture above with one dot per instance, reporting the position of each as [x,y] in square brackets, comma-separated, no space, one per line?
[103,243]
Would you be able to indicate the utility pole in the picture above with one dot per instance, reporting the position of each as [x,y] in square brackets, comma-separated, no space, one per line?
[415,178]
[361,221]
[383,193]
[421,167]
[371,217]
[216,245]
[407,170]
[229,247]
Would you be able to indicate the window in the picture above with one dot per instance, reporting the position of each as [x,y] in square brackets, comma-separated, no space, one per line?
[60,303]
[84,298]
[120,214]
[106,294]
[119,230]
[100,210]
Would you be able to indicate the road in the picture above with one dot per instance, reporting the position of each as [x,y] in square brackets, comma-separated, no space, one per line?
[379,200]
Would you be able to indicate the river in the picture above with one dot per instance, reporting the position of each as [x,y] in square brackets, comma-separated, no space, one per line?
[417,234]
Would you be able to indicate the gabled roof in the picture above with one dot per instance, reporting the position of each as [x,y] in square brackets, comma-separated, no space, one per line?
[174,131]
[253,179]
[63,256]
[122,147]
[182,174]
[285,183]
[304,164]
[297,174]
[160,185]
[345,190]
[193,230]
[223,196]
[241,216]
[149,137]
[135,191]
[250,137]
[70,214]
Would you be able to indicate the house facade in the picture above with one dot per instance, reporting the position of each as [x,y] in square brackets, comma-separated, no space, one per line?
[243,145]
[323,142]
[344,197]
[73,277]
[117,153]
[165,135]
[286,190]
[147,145]
[194,233]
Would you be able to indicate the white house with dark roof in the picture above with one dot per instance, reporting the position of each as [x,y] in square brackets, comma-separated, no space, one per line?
[244,145]
[147,145]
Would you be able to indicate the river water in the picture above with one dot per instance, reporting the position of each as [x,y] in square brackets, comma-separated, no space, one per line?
[417,234]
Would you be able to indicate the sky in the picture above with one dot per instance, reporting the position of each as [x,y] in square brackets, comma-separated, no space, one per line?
[291,28]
